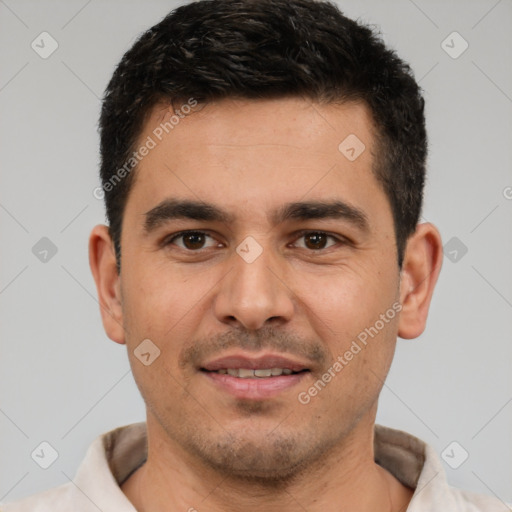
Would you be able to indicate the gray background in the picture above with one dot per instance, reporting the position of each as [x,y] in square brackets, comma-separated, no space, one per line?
[63,381]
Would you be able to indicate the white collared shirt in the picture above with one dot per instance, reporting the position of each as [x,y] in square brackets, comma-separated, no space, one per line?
[114,456]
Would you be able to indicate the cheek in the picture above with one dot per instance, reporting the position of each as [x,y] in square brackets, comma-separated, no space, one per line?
[164,305]
[344,303]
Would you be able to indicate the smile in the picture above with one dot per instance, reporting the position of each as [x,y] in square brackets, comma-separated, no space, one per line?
[248,373]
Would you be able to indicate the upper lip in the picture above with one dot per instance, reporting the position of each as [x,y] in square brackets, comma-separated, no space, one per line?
[238,361]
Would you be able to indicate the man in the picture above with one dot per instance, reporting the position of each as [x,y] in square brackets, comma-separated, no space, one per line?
[263,165]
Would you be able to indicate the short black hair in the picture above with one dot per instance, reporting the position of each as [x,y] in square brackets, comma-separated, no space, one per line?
[210,50]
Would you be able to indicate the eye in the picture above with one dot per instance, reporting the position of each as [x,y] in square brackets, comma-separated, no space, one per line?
[316,240]
[192,240]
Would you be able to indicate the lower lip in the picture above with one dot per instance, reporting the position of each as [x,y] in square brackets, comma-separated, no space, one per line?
[255,388]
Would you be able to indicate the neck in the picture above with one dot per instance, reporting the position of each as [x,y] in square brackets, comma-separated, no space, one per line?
[345,479]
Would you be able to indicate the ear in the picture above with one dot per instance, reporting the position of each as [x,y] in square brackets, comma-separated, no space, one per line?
[420,269]
[102,261]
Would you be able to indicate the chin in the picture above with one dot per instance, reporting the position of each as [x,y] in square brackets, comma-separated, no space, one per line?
[268,460]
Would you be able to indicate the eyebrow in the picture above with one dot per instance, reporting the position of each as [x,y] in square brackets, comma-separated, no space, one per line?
[322,210]
[171,209]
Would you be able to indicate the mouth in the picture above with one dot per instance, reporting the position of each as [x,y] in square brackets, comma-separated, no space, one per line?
[248,373]
[257,378]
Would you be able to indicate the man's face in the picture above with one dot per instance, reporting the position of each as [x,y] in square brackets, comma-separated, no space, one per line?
[263,282]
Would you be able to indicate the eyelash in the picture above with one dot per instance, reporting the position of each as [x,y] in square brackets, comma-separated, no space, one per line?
[340,240]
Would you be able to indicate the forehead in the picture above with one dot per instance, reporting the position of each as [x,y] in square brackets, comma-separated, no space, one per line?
[295,122]
[254,155]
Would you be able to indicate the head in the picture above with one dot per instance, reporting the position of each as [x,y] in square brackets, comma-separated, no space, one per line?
[289,144]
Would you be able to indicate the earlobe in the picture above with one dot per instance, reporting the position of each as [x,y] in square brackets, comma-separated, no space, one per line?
[420,270]
[102,261]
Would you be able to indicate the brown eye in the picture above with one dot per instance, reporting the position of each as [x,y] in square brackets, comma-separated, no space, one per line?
[192,240]
[315,240]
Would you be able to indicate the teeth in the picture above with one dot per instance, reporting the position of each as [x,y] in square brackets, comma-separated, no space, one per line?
[263,373]
[247,373]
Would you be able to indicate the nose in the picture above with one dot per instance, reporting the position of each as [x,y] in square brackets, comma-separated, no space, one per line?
[254,293]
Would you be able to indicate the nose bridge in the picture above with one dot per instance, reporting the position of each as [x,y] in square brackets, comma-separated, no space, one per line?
[252,292]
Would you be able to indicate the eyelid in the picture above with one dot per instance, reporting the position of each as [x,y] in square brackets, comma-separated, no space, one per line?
[168,240]
[338,238]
